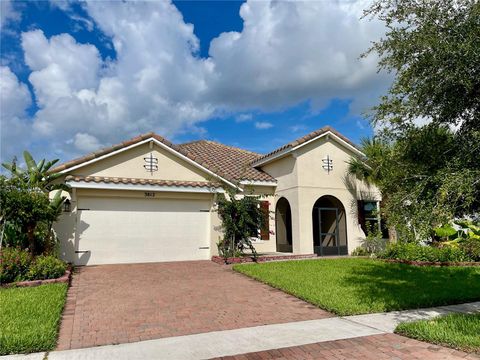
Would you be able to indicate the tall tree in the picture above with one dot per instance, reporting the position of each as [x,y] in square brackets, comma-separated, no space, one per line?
[433,48]
[427,173]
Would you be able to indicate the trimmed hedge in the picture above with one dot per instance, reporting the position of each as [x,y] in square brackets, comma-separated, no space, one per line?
[415,252]
[46,267]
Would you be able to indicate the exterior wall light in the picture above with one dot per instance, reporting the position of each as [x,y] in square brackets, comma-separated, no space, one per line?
[67,206]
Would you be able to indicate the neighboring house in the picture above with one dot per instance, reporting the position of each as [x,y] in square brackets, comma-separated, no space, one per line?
[147,200]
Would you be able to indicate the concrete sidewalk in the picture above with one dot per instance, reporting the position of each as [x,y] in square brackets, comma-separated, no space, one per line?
[255,339]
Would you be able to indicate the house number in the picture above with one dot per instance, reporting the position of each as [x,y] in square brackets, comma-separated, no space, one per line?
[149,194]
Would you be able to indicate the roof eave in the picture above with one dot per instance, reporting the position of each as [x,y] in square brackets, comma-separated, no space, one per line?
[290,149]
[162,145]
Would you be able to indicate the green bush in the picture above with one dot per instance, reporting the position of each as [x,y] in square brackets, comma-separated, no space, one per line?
[46,267]
[14,264]
[360,251]
[472,248]
[415,252]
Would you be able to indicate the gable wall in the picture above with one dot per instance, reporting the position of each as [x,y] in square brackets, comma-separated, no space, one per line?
[309,163]
[130,163]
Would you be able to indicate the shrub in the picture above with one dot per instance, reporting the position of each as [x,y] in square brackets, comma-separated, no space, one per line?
[14,264]
[472,248]
[360,251]
[416,252]
[46,267]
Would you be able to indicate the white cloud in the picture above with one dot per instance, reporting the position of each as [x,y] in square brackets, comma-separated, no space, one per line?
[263,125]
[298,128]
[8,13]
[243,118]
[86,142]
[287,52]
[60,66]
[14,126]
[155,83]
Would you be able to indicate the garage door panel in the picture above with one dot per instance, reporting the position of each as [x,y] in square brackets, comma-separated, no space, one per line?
[143,230]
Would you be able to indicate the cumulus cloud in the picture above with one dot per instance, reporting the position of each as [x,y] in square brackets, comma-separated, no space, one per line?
[155,83]
[86,142]
[8,13]
[263,125]
[287,52]
[292,51]
[14,125]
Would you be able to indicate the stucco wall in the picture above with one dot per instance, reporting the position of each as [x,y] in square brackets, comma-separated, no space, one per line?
[261,246]
[302,181]
[130,164]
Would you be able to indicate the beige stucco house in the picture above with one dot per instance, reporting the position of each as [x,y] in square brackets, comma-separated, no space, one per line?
[148,200]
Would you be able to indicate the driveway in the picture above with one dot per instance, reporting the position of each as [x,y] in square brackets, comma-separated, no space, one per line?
[113,304]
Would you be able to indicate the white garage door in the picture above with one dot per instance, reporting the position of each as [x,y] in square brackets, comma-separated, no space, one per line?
[132,230]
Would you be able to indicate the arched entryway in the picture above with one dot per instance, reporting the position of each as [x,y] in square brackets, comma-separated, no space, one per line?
[283,225]
[329,227]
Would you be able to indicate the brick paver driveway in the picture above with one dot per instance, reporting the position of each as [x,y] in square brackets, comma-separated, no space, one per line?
[375,347]
[113,304]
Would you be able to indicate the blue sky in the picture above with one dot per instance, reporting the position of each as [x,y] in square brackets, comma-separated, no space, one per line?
[79,76]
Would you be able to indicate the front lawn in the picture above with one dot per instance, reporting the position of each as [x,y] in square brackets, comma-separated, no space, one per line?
[358,286]
[29,318]
[459,331]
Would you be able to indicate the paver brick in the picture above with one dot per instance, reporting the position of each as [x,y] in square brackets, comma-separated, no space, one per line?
[373,347]
[110,304]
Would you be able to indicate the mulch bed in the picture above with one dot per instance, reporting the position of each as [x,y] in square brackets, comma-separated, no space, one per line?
[262,258]
[432,263]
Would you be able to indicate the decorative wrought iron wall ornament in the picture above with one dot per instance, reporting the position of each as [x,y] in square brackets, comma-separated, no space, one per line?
[151,163]
[327,164]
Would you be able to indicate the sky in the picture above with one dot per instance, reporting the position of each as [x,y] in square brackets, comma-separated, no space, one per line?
[79,76]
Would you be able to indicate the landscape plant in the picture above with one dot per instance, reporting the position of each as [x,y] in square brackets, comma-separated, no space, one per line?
[241,217]
[46,267]
[27,213]
[418,252]
[23,210]
[424,156]
[14,264]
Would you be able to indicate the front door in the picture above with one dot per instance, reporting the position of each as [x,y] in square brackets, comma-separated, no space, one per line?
[326,238]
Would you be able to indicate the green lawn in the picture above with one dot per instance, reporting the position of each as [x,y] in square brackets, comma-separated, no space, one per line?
[358,286]
[459,331]
[29,318]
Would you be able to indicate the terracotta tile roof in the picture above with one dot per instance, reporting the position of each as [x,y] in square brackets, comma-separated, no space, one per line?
[134,181]
[225,161]
[306,138]
[229,162]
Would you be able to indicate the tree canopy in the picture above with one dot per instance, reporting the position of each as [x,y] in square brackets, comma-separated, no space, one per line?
[433,49]
[425,157]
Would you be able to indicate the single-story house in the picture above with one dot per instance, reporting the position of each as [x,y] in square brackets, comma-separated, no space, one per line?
[148,200]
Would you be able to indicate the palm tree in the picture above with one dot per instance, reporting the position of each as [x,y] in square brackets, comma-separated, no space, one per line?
[37,175]
[371,167]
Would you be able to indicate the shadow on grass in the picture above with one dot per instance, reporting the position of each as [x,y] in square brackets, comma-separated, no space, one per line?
[400,286]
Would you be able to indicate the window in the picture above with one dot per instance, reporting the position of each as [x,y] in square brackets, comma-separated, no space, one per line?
[264,232]
[369,217]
